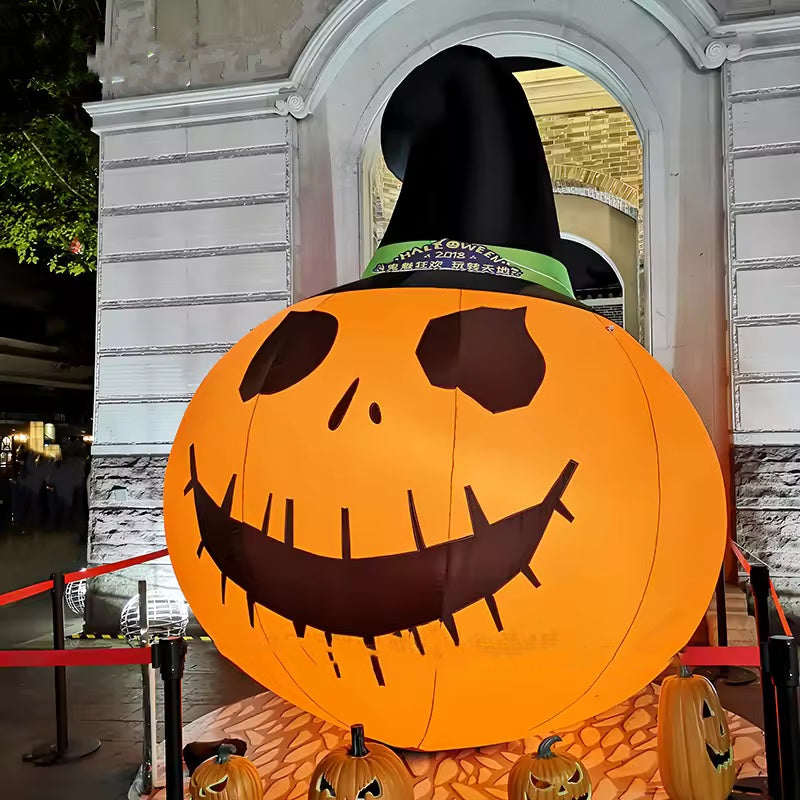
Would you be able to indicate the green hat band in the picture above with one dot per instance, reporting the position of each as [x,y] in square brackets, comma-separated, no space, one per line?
[449,254]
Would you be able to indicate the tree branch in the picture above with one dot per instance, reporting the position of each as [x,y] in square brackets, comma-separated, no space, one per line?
[52,168]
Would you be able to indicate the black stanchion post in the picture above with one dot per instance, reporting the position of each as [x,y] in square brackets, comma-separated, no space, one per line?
[62,751]
[759,581]
[59,643]
[786,677]
[169,655]
[722,616]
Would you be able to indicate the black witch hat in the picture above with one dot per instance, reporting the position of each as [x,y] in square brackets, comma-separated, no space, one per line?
[476,208]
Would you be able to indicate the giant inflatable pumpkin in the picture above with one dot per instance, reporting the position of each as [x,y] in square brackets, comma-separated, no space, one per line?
[453,505]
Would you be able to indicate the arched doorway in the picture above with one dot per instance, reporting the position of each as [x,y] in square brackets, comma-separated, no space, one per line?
[596,279]
[681,290]
[595,159]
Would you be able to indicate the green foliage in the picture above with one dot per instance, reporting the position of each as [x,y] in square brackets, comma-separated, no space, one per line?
[48,154]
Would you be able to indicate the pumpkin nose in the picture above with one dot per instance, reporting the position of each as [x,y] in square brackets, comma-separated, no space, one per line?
[337,415]
[562,790]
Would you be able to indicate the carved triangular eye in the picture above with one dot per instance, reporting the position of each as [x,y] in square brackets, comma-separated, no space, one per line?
[324,785]
[218,786]
[576,776]
[538,783]
[372,789]
[707,712]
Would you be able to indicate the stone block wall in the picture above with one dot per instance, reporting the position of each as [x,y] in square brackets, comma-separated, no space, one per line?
[768,514]
[125,519]
[762,107]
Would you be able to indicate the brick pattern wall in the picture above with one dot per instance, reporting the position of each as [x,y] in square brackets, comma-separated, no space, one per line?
[604,142]
[615,312]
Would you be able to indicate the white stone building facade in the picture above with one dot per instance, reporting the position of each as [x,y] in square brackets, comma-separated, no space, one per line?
[236,140]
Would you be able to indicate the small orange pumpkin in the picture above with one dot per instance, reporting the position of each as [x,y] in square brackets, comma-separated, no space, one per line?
[361,774]
[226,777]
[695,756]
[547,774]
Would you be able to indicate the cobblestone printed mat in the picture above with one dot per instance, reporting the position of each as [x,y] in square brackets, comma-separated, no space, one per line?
[618,748]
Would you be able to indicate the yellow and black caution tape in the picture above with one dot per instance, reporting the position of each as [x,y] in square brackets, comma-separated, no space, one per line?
[119,636]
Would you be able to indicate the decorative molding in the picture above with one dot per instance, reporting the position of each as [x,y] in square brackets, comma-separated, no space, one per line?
[766,206]
[191,205]
[294,105]
[768,378]
[746,95]
[194,300]
[190,252]
[142,399]
[201,155]
[764,321]
[755,438]
[783,262]
[762,36]
[166,350]
[693,23]
[778,23]
[132,449]
[193,106]
[755,150]
[718,52]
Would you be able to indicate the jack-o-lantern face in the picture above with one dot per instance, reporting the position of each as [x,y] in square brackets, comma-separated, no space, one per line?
[361,773]
[226,776]
[695,755]
[388,503]
[546,774]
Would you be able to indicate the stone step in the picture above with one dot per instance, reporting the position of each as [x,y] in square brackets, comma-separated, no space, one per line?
[741,626]
[735,599]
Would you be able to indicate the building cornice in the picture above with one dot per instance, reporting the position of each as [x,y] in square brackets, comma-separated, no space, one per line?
[708,41]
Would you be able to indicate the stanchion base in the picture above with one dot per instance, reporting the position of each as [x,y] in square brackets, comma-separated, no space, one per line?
[48,755]
[740,676]
[750,789]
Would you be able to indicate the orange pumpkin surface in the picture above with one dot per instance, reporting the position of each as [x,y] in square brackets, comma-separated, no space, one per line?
[457,516]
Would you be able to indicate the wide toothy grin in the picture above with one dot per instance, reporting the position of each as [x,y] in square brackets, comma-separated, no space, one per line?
[719,760]
[376,596]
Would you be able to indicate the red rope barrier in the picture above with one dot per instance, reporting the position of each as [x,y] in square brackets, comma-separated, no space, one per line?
[25,592]
[720,657]
[778,607]
[85,657]
[104,569]
[92,572]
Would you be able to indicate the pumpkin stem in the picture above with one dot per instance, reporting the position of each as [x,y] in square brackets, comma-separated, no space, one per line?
[224,752]
[545,750]
[685,672]
[359,747]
